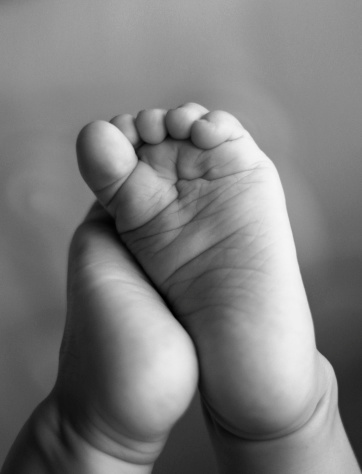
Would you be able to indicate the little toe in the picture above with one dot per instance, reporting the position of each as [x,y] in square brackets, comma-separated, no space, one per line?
[126,124]
[215,128]
[106,158]
[151,125]
[179,121]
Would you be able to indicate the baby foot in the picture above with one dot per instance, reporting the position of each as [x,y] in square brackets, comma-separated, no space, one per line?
[202,209]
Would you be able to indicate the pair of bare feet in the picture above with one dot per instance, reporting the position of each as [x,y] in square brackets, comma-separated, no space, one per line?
[200,278]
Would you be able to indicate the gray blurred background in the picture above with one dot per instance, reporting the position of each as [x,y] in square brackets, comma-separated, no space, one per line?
[291,71]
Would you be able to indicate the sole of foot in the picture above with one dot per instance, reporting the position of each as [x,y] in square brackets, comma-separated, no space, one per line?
[202,210]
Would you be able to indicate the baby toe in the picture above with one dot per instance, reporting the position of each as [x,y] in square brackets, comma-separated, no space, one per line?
[105,158]
[126,124]
[179,121]
[215,128]
[151,126]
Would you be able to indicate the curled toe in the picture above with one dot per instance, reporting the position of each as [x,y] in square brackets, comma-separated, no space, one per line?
[215,128]
[151,126]
[179,121]
[126,124]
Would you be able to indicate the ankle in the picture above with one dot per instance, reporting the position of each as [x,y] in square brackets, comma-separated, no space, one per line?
[66,447]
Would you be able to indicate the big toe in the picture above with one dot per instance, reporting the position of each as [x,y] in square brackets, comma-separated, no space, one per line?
[106,158]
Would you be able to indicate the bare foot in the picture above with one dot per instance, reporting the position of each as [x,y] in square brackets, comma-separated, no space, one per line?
[128,370]
[201,208]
